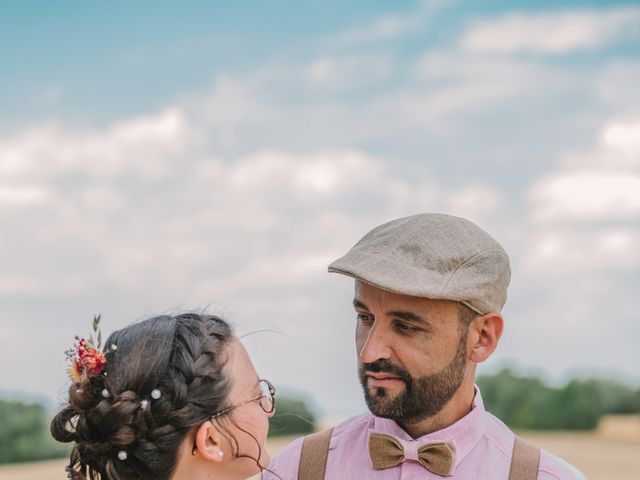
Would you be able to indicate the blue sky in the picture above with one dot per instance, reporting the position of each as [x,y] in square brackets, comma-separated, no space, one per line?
[156,157]
[106,59]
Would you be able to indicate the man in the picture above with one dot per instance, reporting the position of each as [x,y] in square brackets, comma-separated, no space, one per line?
[429,290]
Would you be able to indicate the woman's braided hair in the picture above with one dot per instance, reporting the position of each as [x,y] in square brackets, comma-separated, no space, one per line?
[183,357]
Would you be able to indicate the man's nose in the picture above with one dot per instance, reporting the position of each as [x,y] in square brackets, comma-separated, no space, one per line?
[376,346]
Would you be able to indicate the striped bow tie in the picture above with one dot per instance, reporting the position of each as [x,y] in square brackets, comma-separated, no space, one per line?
[387,452]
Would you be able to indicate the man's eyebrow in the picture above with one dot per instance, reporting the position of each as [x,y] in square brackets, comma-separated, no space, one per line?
[408,316]
[358,304]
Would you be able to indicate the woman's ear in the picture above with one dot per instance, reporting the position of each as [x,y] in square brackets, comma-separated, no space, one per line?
[488,330]
[210,442]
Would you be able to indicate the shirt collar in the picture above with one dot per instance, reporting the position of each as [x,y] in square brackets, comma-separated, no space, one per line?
[465,433]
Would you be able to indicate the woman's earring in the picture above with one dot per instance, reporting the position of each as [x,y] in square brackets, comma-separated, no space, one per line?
[220,453]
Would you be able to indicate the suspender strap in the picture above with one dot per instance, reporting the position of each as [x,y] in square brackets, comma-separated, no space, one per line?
[524,461]
[313,457]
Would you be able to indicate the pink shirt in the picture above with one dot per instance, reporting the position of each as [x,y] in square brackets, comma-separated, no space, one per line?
[483,446]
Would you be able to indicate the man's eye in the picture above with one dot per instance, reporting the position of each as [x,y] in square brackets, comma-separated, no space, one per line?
[364,318]
[406,327]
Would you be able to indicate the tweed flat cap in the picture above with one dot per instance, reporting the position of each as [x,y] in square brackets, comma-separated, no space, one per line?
[433,256]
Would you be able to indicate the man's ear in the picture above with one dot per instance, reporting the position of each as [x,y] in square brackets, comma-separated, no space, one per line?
[210,442]
[487,331]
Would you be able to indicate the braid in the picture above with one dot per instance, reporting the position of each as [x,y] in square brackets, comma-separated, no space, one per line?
[183,358]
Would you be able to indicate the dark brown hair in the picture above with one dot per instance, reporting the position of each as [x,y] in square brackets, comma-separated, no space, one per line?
[465,316]
[183,357]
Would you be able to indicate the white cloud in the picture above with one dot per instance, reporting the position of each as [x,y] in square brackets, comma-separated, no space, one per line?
[447,65]
[235,101]
[584,195]
[473,202]
[17,285]
[212,209]
[168,127]
[104,199]
[22,196]
[276,272]
[391,26]
[602,185]
[140,144]
[307,174]
[42,285]
[382,28]
[565,252]
[305,106]
[617,151]
[552,32]
[584,216]
[339,72]
[448,82]
[209,210]
[624,137]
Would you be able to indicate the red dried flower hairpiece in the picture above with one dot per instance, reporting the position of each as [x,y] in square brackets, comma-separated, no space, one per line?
[85,356]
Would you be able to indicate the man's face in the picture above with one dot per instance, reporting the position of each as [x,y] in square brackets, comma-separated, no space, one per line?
[412,353]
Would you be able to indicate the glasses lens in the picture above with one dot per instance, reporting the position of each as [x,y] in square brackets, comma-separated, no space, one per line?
[267,401]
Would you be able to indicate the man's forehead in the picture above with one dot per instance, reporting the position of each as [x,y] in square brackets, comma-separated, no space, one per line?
[368,291]
[371,297]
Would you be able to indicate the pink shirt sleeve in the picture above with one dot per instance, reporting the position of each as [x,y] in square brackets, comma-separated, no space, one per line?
[554,468]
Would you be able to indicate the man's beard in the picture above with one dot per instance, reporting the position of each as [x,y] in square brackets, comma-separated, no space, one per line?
[422,397]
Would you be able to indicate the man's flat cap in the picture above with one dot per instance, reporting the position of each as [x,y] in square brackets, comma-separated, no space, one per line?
[433,256]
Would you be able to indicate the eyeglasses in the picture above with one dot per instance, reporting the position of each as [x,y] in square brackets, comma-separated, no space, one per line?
[266,399]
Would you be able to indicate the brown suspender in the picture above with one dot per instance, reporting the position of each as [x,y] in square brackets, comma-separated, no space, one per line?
[313,457]
[524,461]
[315,450]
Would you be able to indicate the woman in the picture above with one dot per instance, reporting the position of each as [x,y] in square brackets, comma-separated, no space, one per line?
[172,397]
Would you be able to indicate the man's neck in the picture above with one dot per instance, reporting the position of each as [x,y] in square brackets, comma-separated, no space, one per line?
[460,405]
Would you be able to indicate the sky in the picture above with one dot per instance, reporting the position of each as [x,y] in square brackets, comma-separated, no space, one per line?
[157,157]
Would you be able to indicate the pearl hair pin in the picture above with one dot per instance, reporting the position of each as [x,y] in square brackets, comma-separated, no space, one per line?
[156,394]
[72,425]
[122,455]
[105,393]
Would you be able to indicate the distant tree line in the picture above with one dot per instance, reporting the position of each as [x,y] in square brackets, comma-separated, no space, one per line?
[527,403]
[24,428]
[521,402]
[292,417]
[24,433]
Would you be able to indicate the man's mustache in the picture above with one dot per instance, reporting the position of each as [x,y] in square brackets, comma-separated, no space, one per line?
[385,366]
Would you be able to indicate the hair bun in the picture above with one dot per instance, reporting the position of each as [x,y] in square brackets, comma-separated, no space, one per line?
[181,357]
